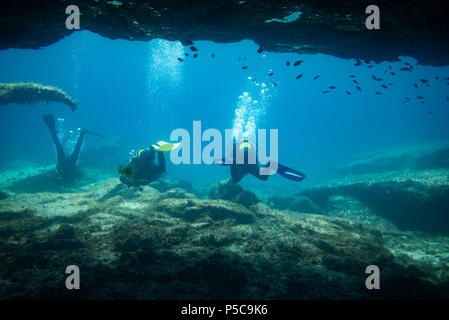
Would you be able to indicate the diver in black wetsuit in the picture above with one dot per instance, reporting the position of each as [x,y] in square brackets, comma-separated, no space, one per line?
[238,171]
[65,166]
[142,169]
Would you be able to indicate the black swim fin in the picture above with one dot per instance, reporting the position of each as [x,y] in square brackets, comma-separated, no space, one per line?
[290,173]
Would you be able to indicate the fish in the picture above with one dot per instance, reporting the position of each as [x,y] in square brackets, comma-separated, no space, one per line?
[426,82]
[405,69]
[415,85]
[192,48]
[326,91]
[420,97]
[389,68]
[299,76]
[180,59]
[384,86]
[195,55]
[407,63]
[186,54]
[245,67]
[254,80]
[287,63]
[370,66]
[352,76]
[260,50]
[297,63]
[430,112]
[358,88]
[355,81]
[358,63]
[213,55]
[274,83]
[332,87]
[437,78]
[270,73]
[378,93]
[316,77]
[377,79]
[393,73]
[348,93]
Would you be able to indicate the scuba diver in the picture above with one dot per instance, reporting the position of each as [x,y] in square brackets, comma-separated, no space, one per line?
[141,169]
[238,171]
[65,166]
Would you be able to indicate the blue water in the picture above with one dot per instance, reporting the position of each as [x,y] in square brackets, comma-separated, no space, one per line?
[136,93]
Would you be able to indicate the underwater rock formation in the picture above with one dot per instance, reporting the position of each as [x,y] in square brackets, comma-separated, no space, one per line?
[416,200]
[415,158]
[33,92]
[3,195]
[228,190]
[297,203]
[141,244]
[408,28]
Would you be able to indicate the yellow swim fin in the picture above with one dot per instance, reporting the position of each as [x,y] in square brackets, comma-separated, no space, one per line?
[165,146]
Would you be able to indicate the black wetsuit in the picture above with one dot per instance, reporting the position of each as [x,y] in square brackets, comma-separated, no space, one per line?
[238,171]
[65,166]
[144,169]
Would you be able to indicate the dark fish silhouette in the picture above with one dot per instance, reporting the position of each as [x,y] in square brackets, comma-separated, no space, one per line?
[348,93]
[213,55]
[416,85]
[377,79]
[370,66]
[180,59]
[407,63]
[393,73]
[270,73]
[299,76]
[195,55]
[245,67]
[332,87]
[287,63]
[355,81]
[192,48]
[274,83]
[420,97]
[326,91]
[389,67]
[384,86]
[186,54]
[316,77]
[352,76]
[297,63]
[426,82]
[260,50]
[378,93]
[358,63]
[437,78]
[405,69]
[358,88]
